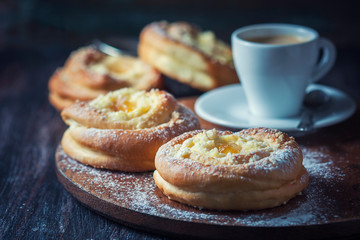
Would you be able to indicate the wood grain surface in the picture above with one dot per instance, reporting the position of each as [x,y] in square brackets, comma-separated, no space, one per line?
[35,205]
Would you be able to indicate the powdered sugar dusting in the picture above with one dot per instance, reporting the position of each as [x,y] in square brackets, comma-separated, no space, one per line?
[137,192]
[318,163]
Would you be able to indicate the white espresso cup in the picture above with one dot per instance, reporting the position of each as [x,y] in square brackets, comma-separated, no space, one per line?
[275,64]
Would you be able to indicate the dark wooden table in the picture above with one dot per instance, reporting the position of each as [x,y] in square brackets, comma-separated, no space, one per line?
[33,203]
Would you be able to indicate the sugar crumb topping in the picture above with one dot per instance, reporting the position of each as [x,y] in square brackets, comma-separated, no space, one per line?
[125,104]
[120,67]
[209,147]
[205,41]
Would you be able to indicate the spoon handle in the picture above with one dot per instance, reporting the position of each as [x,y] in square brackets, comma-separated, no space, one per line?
[110,50]
[307,121]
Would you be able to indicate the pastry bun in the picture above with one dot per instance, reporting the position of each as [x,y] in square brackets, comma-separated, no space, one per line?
[124,129]
[88,73]
[184,53]
[248,170]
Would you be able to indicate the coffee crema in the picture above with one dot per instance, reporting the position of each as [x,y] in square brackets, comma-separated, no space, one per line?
[277,39]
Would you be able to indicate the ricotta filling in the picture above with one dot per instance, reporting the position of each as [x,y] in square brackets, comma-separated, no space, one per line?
[208,147]
[119,67]
[125,104]
[204,41]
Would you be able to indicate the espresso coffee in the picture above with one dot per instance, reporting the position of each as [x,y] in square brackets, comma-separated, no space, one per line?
[277,67]
[277,39]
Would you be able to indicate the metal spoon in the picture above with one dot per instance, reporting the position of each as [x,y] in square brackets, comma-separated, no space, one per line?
[312,102]
[110,50]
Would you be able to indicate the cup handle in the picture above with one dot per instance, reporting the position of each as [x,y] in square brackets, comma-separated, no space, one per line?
[327,60]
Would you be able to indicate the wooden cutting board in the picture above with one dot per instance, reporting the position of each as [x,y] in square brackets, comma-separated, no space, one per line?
[328,208]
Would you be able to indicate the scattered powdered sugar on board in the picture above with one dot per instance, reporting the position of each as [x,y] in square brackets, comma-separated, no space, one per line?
[320,163]
[137,192]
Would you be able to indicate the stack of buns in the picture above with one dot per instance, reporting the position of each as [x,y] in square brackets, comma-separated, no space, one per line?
[119,119]
[178,50]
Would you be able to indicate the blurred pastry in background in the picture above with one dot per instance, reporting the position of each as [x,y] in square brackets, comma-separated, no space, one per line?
[87,73]
[183,52]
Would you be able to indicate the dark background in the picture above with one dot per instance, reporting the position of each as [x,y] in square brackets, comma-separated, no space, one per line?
[29,22]
[56,27]
[36,37]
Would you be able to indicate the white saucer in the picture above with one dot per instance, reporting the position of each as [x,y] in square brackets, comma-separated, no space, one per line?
[227,106]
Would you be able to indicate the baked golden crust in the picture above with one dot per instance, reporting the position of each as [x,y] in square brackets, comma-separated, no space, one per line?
[127,136]
[87,73]
[186,54]
[261,168]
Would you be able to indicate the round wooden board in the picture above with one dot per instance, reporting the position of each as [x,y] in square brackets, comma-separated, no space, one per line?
[328,208]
